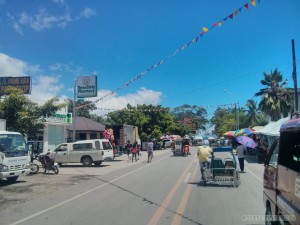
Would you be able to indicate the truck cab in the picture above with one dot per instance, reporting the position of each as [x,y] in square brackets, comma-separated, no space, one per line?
[14,156]
[282,176]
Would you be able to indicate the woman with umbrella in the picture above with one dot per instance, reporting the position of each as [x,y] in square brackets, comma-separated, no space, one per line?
[243,142]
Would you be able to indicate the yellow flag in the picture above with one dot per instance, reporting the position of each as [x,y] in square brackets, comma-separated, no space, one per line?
[205,29]
[253,2]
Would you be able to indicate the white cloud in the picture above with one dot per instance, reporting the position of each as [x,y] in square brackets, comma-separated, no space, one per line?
[44,19]
[87,12]
[115,102]
[43,87]
[12,67]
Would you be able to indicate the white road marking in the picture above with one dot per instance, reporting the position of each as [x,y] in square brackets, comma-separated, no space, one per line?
[85,193]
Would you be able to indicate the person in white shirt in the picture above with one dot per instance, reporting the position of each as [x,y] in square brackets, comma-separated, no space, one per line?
[240,152]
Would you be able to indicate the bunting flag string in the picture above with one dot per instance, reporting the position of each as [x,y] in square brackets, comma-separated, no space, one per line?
[194,40]
[136,109]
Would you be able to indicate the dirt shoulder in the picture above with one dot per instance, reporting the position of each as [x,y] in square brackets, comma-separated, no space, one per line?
[34,186]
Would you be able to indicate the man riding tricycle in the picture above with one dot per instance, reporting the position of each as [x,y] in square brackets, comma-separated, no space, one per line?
[218,170]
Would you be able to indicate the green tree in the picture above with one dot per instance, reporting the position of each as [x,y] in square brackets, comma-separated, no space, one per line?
[275,99]
[153,121]
[24,116]
[224,120]
[196,114]
[83,108]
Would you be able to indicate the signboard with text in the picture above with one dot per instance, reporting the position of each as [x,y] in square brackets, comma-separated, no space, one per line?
[22,83]
[86,86]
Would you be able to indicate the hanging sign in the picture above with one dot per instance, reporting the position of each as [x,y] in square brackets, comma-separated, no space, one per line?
[86,86]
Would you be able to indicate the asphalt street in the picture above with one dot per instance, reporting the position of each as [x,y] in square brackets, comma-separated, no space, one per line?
[166,191]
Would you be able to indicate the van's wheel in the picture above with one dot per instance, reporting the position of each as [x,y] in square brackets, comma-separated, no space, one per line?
[12,179]
[269,217]
[87,161]
[98,163]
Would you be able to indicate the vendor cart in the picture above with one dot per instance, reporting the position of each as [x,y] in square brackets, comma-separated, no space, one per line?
[221,170]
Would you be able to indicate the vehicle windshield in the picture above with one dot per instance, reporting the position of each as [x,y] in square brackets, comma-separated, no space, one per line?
[13,145]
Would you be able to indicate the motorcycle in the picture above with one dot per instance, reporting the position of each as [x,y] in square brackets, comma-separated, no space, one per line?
[34,168]
[48,164]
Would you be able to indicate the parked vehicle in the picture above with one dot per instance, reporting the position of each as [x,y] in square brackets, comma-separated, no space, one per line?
[124,133]
[282,176]
[48,164]
[86,152]
[14,156]
[34,168]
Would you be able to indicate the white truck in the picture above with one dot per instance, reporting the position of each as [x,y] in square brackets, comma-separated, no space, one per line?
[14,156]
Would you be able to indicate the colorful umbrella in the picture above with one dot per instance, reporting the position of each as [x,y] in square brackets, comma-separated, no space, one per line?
[229,133]
[246,141]
[244,131]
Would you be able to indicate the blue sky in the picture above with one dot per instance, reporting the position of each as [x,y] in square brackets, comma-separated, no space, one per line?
[54,41]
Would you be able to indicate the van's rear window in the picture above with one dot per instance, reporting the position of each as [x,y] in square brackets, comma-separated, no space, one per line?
[289,150]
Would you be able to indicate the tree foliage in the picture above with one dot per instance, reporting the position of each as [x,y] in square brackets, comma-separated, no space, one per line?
[24,116]
[275,99]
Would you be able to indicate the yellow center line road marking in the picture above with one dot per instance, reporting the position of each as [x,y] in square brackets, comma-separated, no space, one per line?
[184,200]
[85,193]
[157,215]
[187,178]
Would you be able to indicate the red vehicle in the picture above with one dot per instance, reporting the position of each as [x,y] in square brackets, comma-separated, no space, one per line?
[282,176]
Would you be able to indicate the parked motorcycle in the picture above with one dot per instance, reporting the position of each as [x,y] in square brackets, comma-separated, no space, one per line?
[34,168]
[48,164]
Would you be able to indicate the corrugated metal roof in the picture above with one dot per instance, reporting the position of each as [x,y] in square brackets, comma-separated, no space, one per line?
[85,124]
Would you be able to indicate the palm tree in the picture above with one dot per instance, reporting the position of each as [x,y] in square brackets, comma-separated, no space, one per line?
[252,115]
[274,98]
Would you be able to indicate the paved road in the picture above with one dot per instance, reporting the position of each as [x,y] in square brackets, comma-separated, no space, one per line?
[165,191]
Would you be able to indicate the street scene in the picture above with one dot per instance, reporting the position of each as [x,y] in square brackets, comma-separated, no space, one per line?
[149,112]
[166,191]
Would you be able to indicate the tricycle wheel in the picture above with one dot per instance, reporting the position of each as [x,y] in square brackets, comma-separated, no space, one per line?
[236,179]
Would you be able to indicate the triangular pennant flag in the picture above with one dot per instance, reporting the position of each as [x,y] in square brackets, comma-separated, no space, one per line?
[253,2]
[214,24]
[246,6]
[231,16]
[202,33]
[236,12]
[220,23]
[240,9]
[205,29]
[197,39]
[225,19]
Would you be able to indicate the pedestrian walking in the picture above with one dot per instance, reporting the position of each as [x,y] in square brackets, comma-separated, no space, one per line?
[134,151]
[150,151]
[240,152]
[128,148]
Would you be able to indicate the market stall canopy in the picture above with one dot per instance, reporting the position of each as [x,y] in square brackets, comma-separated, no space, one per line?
[257,128]
[272,128]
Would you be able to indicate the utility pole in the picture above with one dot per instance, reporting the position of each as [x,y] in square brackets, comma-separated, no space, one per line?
[295,78]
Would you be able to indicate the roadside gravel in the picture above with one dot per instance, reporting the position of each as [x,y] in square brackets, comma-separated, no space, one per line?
[34,186]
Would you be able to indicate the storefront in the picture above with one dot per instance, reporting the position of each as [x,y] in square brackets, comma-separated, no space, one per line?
[54,132]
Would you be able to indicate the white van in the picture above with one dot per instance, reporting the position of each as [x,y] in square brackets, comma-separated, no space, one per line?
[86,152]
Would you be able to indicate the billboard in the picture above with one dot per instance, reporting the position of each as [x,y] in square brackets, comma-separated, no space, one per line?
[22,83]
[86,86]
